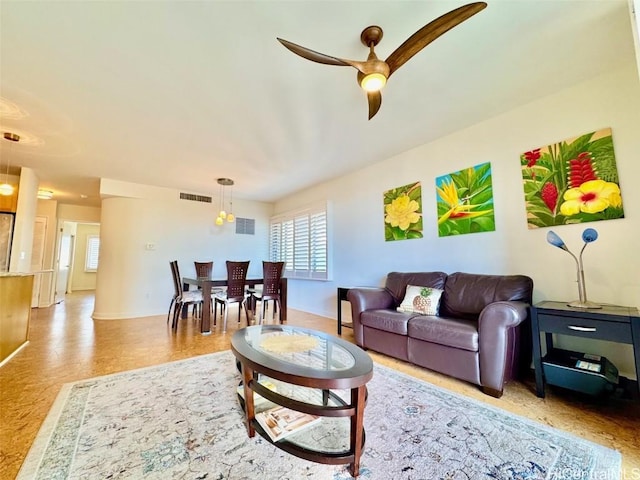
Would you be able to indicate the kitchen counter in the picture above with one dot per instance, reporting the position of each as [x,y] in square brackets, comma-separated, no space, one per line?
[15,312]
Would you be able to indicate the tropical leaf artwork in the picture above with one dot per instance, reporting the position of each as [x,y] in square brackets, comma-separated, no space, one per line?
[465,201]
[573,181]
[403,212]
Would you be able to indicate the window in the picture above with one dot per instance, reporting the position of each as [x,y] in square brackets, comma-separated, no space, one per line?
[300,240]
[93,249]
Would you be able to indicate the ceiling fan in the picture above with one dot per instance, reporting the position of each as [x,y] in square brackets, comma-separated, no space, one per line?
[373,73]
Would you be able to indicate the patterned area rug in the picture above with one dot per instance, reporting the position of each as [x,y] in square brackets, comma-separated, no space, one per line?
[183,420]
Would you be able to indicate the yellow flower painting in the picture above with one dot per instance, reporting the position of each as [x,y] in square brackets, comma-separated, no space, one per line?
[403,212]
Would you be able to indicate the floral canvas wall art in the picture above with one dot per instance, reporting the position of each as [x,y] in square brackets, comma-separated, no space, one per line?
[465,201]
[403,212]
[573,181]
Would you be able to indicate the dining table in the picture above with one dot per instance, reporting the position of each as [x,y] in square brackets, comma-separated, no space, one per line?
[207,284]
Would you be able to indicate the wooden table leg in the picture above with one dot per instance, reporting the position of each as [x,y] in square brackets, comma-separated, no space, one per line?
[358,397]
[283,300]
[249,408]
[205,323]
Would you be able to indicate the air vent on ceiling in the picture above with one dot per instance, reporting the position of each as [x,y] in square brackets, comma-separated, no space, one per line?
[245,226]
[195,198]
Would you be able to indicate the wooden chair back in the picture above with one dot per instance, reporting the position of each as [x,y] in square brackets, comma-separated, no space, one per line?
[271,273]
[204,269]
[177,280]
[236,279]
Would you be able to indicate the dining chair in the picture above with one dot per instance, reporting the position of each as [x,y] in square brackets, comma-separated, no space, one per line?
[205,270]
[181,298]
[271,275]
[235,293]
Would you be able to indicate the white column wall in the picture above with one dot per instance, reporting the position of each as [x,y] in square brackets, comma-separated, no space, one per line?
[134,281]
[22,242]
[362,257]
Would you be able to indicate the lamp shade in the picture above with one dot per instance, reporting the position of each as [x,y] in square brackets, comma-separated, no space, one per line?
[555,240]
[589,235]
[6,189]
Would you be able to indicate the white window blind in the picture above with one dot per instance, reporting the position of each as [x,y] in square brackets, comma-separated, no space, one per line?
[300,240]
[93,250]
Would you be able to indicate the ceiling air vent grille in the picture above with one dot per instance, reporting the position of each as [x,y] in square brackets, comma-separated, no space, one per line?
[245,226]
[195,198]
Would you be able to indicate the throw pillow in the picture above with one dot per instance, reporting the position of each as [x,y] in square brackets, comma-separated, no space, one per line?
[423,300]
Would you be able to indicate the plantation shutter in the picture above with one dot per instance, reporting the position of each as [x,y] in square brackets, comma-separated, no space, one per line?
[93,249]
[318,244]
[300,240]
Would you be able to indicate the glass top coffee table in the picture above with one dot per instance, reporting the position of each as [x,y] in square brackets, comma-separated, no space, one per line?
[310,372]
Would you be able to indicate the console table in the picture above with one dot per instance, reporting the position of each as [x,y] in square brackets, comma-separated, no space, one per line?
[342,297]
[611,322]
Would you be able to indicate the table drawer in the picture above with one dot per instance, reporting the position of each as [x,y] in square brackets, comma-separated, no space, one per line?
[583,327]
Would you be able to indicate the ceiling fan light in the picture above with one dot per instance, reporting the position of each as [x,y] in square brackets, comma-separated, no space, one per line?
[6,189]
[373,82]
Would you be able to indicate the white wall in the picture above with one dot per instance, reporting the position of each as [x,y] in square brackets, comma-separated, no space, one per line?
[612,265]
[79,213]
[634,13]
[134,281]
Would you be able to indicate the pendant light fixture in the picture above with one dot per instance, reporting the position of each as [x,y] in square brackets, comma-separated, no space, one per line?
[45,194]
[6,188]
[222,213]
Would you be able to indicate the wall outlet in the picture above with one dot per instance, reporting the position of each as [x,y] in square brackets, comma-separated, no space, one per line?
[150,246]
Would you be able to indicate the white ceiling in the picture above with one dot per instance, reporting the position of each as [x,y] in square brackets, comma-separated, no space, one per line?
[179,93]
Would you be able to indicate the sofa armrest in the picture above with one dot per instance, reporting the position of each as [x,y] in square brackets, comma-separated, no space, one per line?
[362,299]
[499,341]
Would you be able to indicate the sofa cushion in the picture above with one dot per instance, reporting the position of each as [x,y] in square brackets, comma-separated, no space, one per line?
[421,300]
[461,334]
[397,282]
[466,294]
[386,320]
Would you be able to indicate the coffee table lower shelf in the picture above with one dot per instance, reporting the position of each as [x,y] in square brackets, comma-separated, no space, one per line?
[290,445]
[329,458]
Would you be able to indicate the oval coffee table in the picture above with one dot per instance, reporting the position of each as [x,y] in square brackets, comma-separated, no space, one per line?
[310,372]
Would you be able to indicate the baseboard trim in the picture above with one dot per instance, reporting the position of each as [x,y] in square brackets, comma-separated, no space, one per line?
[13,354]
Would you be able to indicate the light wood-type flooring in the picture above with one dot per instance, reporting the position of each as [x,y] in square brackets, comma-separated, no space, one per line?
[66,345]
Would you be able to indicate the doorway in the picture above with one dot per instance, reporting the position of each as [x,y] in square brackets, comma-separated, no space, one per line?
[66,246]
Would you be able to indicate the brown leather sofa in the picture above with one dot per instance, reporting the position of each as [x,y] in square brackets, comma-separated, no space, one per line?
[478,335]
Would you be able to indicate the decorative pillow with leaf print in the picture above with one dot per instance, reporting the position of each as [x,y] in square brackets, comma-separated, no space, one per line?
[423,300]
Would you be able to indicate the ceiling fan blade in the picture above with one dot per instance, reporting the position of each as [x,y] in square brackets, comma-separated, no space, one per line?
[375,100]
[317,56]
[430,32]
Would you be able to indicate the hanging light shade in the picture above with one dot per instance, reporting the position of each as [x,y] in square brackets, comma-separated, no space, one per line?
[6,188]
[222,213]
